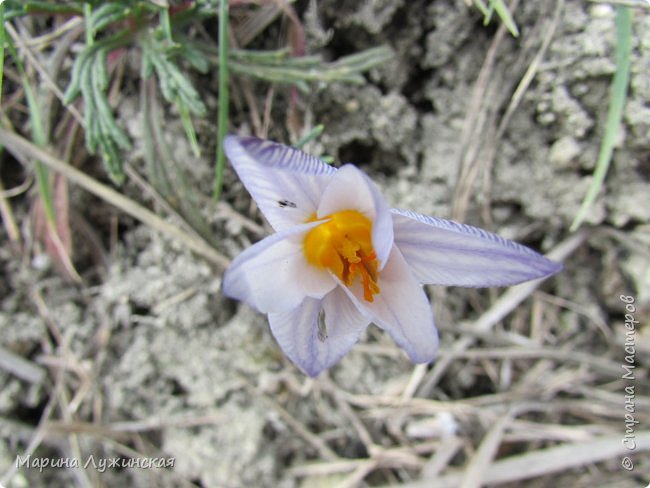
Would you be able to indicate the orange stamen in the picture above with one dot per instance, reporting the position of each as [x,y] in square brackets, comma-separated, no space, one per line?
[343,245]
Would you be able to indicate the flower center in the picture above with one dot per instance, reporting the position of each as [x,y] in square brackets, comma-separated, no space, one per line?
[343,245]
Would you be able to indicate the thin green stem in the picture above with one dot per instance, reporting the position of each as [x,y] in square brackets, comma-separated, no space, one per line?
[506,17]
[45,7]
[309,136]
[222,122]
[615,111]
[90,35]
[186,120]
[502,11]
[40,139]
[166,23]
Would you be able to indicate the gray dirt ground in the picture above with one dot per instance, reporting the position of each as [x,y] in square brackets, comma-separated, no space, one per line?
[156,343]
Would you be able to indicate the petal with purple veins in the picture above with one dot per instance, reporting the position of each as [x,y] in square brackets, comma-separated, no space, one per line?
[444,252]
[318,333]
[285,183]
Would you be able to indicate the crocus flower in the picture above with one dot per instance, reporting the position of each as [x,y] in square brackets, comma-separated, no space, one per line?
[340,258]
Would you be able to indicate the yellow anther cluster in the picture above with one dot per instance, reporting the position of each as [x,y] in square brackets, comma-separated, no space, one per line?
[343,245]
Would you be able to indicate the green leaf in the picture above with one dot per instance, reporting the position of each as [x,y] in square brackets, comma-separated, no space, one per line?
[19,8]
[176,87]
[502,11]
[310,136]
[224,96]
[506,17]
[38,136]
[278,67]
[90,79]
[107,14]
[614,112]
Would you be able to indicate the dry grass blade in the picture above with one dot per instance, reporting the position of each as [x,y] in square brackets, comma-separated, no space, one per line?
[17,144]
[57,236]
[48,39]
[55,427]
[21,367]
[482,460]
[358,475]
[545,461]
[316,442]
[628,3]
[442,457]
[158,423]
[43,72]
[255,23]
[597,363]
[532,70]
[327,468]
[8,218]
[344,406]
[474,125]
[37,435]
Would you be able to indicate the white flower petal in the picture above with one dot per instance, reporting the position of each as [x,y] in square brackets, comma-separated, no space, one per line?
[285,183]
[273,275]
[402,309]
[350,189]
[317,334]
[444,252]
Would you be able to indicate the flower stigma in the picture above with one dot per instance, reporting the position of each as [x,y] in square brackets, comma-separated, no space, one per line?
[343,245]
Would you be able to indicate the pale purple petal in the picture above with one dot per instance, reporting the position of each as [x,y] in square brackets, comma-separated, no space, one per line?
[318,333]
[285,183]
[402,309]
[350,189]
[273,275]
[444,252]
